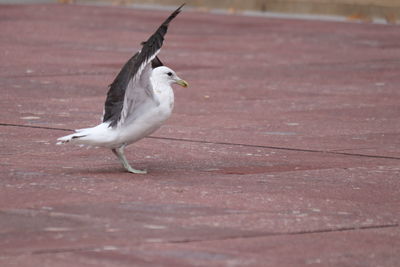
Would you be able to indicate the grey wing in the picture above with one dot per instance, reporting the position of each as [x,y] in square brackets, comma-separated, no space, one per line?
[131,91]
[139,97]
[116,93]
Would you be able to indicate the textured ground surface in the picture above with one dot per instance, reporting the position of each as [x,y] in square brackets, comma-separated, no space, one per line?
[285,150]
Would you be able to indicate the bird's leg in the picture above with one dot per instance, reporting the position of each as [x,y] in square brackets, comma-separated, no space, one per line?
[119,152]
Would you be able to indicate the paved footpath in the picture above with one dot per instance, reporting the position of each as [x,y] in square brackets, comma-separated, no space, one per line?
[284,151]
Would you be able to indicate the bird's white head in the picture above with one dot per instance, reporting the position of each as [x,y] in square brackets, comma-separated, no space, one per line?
[166,75]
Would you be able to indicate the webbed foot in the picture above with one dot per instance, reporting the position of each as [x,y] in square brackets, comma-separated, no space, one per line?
[135,171]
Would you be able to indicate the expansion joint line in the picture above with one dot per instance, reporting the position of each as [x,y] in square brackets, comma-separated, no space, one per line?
[317,231]
[221,143]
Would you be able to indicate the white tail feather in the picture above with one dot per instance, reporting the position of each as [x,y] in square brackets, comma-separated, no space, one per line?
[97,135]
[68,138]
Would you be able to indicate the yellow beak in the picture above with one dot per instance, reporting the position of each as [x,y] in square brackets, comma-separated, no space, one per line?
[182,83]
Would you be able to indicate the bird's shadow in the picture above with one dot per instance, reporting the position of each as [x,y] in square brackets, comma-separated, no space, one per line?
[153,170]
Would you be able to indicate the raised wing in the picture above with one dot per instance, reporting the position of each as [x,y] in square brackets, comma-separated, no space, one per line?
[132,89]
[156,62]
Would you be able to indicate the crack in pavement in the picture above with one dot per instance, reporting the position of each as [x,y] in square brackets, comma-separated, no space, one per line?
[255,235]
[318,231]
[334,152]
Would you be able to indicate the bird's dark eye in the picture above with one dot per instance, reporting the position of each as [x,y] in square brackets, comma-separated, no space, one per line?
[169,73]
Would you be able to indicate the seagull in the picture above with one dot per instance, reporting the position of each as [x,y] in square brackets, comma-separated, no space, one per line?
[139,101]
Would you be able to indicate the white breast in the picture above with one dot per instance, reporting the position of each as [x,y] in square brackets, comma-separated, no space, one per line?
[152,119]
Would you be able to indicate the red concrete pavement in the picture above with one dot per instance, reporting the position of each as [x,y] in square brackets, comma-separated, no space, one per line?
[284,151]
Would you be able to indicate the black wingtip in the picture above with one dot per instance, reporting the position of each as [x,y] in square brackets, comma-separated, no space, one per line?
[179,9]
[181,6]
[173,15]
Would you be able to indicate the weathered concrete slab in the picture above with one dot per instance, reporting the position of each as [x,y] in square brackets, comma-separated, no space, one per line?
[284,151]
